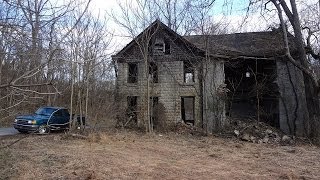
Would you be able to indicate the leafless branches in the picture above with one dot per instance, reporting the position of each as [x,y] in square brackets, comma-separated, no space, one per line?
[39,39]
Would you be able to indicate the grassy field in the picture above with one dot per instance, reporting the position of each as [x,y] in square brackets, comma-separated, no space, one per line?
[130,155]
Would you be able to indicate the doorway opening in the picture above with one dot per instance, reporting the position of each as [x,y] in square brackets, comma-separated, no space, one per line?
[187,109]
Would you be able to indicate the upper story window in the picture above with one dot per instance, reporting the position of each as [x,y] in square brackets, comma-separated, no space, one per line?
[161,46]
[188,71]
[132,72]
[153,72]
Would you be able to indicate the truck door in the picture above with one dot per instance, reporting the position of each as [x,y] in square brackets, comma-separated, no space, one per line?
[66,117]
[57,118]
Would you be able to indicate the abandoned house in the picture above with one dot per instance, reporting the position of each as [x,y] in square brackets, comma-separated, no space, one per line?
[204,80]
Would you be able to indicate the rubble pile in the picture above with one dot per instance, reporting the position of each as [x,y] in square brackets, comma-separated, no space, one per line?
[259,132]
[183,128]
[243,129]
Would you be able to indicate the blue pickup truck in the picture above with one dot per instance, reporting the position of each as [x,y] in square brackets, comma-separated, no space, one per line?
[44,120]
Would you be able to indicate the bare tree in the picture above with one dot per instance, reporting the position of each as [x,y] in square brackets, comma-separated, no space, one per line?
[87,46]
[288,14]
[31,37]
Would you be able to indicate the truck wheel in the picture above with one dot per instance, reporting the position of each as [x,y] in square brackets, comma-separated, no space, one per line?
[43,129]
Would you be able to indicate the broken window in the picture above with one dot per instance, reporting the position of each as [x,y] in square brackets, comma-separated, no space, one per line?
[153,72]
[161,47]
[132,106]
[132,72]
[187,109]
[188,71]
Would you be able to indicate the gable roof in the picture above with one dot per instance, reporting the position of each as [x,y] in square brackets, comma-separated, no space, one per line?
[251,44]
[264,44]
[156,26]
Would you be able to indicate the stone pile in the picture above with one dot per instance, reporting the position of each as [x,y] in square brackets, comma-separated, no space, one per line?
[259,132]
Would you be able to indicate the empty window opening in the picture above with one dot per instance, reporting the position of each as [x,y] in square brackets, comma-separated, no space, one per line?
[188,72]
[187,109]
[132,72]
[159,46]
[153,72]
[132,107]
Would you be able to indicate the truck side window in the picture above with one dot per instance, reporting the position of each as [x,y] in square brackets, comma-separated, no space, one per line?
[58,113]
[65,112]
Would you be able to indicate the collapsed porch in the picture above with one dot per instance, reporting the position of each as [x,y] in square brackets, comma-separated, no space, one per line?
[253,90]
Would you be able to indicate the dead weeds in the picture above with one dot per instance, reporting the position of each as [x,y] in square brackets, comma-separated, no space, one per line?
[131,155]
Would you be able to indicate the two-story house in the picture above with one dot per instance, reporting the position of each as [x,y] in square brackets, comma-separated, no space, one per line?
[164,78]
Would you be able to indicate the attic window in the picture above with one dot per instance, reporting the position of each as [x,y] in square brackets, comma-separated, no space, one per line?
[132,72]
[188,71]
[161,47]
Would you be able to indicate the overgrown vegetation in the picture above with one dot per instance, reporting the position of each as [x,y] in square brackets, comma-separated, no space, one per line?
[125,155]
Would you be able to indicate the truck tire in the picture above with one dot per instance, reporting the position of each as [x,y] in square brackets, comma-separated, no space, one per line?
[43,129]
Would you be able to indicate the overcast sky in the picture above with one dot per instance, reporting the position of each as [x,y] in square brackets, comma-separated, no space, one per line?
[233,12]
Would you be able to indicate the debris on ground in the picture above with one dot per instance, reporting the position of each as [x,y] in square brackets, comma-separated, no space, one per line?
[258,132]
[183,128]
[245,130]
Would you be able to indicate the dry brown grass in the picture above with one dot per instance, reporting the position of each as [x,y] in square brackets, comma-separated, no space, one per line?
[129,155]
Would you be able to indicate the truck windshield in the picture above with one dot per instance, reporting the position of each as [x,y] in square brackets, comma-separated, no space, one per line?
[45,111]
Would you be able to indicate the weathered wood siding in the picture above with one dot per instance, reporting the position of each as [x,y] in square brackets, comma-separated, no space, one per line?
[292,102]
[213,102]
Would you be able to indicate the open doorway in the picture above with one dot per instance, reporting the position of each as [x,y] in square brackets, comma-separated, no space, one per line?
[253,90]
[187,109]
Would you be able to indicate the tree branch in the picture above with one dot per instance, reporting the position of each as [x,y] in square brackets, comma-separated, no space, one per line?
[286,46]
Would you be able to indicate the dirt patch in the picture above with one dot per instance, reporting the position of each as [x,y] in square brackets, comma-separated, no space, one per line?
[129,155]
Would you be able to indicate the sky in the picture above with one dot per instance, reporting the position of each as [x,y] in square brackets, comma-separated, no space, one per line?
[232,12]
